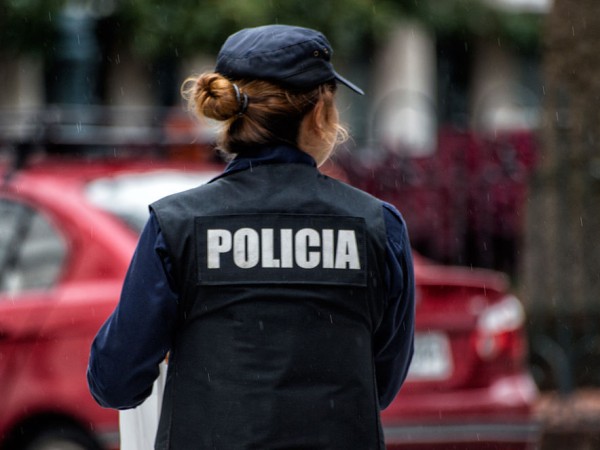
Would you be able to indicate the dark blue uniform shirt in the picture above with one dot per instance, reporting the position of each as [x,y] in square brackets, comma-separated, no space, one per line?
[137,336]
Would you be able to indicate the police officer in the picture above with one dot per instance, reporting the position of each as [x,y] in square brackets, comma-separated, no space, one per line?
[285,297]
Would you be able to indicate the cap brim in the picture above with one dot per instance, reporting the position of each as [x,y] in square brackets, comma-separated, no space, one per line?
[349,84]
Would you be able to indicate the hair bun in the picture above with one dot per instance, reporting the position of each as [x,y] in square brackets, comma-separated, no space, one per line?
[214,97]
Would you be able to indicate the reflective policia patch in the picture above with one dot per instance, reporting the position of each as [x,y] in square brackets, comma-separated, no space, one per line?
[281,248]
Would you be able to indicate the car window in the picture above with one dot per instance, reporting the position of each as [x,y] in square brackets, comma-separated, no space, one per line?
[32,252]
[127,196]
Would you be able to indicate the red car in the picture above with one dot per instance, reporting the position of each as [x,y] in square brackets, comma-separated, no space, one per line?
[468,386]
[67,231]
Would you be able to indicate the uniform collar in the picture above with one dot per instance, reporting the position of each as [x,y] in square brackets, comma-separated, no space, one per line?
[259,156]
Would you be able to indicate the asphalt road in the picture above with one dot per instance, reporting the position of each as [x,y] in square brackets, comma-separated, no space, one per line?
[570,422]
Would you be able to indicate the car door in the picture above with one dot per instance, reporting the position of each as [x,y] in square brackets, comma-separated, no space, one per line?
[32,255]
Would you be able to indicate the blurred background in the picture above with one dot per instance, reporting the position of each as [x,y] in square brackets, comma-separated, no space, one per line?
[480,122]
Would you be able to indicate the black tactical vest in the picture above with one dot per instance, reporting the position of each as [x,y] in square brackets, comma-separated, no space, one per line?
[281,273]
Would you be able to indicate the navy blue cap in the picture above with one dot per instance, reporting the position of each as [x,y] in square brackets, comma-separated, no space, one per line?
[295,57]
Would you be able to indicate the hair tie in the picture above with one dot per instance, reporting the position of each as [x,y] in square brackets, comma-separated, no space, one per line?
[242,99]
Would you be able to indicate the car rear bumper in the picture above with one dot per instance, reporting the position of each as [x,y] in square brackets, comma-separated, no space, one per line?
[508,398]
[499,416]
[476,435]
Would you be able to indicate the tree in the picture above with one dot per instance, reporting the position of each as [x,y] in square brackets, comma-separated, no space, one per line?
[27,25]
[561,280]
[155,28]
[353,26]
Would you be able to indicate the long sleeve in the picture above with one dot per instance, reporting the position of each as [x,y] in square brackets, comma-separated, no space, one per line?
[394,338]
[127,350]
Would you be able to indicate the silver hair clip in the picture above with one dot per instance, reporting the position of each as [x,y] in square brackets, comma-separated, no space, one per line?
[242,99]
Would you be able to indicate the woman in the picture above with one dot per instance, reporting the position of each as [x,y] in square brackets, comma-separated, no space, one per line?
[284,298]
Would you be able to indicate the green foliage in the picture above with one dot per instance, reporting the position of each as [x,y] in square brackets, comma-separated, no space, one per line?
[194,26]
[474,18]
[173,28]
[27,25]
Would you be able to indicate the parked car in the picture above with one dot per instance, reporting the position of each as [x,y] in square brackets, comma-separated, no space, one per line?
[68,228]
[468,386]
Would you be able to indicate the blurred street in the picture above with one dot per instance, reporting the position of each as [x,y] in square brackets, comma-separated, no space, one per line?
[570,421]
[480,124]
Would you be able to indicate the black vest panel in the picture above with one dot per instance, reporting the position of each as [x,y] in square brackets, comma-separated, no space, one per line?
[281,275]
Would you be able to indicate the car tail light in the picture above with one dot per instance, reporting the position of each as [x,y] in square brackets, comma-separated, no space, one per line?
[500,331]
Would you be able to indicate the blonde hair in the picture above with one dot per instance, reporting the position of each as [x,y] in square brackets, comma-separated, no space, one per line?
[258,112]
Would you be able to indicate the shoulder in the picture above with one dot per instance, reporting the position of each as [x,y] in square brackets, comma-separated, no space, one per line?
[181,199]
[392,214]
[395,224]
[346,189]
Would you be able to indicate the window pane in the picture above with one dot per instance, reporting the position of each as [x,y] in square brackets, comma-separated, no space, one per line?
[32,253]
[128,196]
[9,213]
[42,255]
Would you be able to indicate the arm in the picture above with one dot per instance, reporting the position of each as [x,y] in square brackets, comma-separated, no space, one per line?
[127,350]
[394,338]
